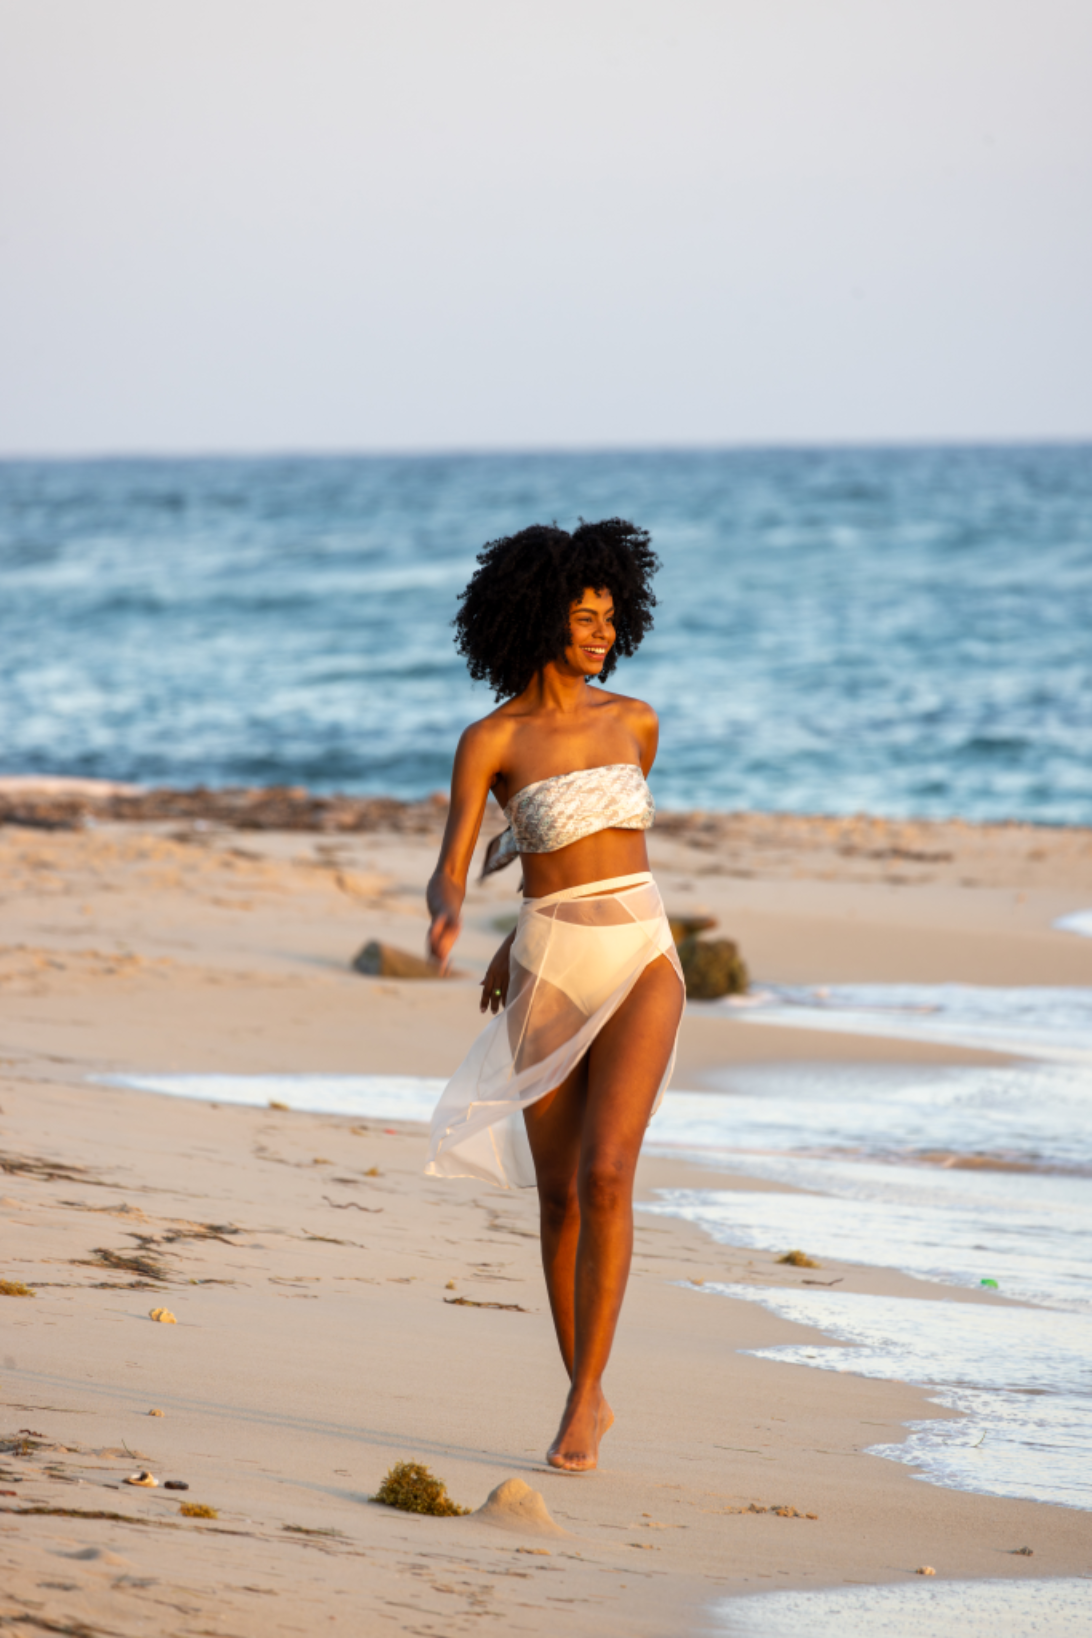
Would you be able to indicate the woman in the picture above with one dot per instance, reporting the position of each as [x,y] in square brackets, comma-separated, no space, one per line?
[559,1087]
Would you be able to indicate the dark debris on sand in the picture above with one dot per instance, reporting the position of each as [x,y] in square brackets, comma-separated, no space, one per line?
[275,807]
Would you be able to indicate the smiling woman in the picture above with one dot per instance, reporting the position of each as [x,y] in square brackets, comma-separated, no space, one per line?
[559,1087]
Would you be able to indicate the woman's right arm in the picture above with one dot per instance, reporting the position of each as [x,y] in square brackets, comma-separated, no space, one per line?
[475,770]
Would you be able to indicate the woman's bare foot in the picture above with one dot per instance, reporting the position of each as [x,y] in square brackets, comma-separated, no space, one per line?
[576,1448]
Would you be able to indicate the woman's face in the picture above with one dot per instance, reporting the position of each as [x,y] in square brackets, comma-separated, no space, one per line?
[591,631]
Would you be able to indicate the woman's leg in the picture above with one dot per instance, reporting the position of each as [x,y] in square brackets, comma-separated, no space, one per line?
[625,1067]
[554,1127]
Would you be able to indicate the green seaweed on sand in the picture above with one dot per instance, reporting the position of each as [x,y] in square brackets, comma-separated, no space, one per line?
[410,1487]
[88,1513]
[468,1302]
[147,1268]
[799,1259]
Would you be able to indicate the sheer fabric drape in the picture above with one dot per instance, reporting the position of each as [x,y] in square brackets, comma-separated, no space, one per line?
[576,956]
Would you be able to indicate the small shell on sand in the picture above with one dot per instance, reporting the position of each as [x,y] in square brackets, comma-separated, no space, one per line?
[155,1413]
[163,1315]
[926,1569]
[513,1505]
[148,1480]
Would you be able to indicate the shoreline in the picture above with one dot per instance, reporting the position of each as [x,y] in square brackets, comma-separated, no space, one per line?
[399,1374]
[156,945]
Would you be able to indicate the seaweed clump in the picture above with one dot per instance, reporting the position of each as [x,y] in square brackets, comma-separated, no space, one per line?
[412,1488]
[15,1288]
[799,1259]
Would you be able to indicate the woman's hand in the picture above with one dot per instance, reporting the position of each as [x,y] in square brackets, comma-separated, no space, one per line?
[442,933]
[495,982]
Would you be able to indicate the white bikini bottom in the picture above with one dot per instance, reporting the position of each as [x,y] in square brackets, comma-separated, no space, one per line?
[576,956]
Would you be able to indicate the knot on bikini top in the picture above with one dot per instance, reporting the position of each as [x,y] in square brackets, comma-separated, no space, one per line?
[552,813]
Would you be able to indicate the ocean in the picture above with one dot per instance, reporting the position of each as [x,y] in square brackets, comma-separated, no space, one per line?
[898,631]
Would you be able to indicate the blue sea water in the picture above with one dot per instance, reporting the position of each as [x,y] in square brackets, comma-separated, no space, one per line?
[898,631]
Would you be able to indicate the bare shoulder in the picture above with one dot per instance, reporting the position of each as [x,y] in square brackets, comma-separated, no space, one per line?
[638,714]
[489,736]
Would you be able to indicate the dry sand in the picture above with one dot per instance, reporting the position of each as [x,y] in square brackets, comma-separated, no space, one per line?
[163,946]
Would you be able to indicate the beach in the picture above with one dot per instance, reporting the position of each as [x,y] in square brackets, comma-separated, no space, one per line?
[191,947]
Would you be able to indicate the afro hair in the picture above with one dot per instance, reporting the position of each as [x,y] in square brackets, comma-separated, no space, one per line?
[514,617]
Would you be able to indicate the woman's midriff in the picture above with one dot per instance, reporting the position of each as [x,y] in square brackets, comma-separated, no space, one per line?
[597,858]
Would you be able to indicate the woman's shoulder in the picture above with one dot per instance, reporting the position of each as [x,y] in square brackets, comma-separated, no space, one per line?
[489,732]
[637,712]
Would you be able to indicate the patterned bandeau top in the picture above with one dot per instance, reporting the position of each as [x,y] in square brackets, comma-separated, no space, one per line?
[553,812]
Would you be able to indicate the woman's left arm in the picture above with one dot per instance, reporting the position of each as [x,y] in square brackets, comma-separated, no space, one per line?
[646,727]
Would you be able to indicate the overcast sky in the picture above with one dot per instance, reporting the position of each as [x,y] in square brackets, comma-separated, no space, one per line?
[407,224]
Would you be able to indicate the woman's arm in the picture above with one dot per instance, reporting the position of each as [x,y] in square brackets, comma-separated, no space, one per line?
[472,777]
[646,728]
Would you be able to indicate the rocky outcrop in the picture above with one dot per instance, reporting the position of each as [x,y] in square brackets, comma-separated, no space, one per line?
[712,967]
[276,807]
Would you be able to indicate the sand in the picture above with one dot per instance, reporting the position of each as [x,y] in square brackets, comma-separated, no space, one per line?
[312,1269]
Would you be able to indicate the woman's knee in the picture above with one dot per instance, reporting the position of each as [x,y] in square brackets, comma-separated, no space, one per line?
[606,1183]
[558,1200]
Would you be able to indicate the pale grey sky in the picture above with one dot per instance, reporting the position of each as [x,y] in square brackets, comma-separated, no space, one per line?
[406,224]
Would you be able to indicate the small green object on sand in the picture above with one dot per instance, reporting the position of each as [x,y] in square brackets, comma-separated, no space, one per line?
[991,1283]
[410,1487]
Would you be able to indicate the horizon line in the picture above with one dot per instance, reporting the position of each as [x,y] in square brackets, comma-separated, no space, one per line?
[498,451]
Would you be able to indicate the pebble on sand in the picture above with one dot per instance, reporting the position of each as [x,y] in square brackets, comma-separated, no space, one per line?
[378,960]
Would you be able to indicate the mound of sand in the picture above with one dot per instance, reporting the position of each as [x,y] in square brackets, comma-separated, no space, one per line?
[513,1505]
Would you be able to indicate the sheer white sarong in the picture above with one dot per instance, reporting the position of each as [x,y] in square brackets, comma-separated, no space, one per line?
[576,956]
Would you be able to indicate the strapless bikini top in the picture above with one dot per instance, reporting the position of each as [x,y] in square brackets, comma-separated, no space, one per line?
[551,813]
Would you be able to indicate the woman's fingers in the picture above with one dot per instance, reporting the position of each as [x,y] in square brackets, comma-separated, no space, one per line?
[441,938]
[494,989]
